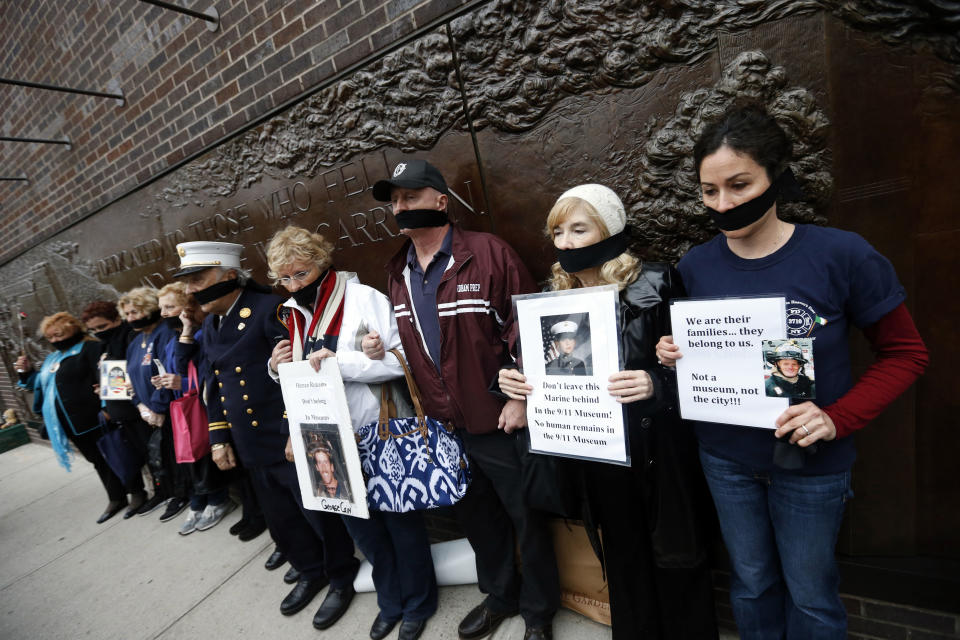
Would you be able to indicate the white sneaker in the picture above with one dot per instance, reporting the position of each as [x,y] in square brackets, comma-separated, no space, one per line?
[214,514]
[190,524]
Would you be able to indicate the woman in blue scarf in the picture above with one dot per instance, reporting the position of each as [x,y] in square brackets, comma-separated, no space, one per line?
[63,392]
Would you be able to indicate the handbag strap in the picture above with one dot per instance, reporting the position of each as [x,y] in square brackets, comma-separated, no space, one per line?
[192,377]
[383,426]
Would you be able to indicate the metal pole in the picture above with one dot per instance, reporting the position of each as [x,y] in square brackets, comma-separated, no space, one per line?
[38,140]
[211,15]
[53,87]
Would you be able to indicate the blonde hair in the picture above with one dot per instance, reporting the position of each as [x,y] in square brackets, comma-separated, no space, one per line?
[296,243]
[142,299]
[62,319]
[620,271]
[176,289]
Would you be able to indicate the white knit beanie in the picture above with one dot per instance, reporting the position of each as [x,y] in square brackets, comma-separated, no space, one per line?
[605,201]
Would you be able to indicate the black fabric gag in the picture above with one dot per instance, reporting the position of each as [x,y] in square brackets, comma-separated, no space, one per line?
[106,334]
[746,213]
[66,343]
[175,323]
[146,321]
[216,291]
[419,218]
[307,295]
[594,255]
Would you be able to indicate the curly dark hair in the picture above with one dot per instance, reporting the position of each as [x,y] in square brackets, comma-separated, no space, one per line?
[747,129]
[100,309]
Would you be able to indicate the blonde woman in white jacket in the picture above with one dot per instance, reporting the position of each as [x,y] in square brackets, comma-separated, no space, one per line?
[329,314]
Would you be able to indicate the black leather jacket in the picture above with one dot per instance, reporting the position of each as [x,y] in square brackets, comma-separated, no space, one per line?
[665,474]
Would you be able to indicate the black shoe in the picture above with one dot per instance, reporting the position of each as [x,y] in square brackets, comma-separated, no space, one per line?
[252,530]
[301,595]
[334,605]
[113,508]
[152,504]
[275,561]
[480,622]
[136,501]
[411,629]
[291,576]
[174,507]
[538,633]
[381,628]
[239,526]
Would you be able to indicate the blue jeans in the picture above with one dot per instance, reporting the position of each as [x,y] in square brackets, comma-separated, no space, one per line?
[397,546]
[780,530]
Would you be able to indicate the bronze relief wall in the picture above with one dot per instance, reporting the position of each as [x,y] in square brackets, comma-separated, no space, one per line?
[518,101]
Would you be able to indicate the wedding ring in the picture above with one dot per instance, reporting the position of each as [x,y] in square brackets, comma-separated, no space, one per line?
[805,430]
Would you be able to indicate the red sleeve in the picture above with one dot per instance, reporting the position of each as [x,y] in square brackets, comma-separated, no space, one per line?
[901,357]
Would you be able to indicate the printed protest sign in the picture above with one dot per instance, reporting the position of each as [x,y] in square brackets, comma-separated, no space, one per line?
[721,376]
[324,447]
[569,349]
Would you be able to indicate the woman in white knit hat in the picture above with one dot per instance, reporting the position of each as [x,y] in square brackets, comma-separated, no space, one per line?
[653,515]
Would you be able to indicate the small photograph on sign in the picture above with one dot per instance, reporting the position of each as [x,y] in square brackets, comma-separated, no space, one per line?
[566,344]
[788,368]
[328,469]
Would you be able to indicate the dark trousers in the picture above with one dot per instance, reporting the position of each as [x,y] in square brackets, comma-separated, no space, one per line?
[316,542]
[86,444]
[497,521]
[208,485]
[138,434]
[174,476]
[397,546]
[646,601]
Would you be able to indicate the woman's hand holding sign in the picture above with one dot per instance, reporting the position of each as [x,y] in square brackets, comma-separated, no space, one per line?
[806,423]
[630,386]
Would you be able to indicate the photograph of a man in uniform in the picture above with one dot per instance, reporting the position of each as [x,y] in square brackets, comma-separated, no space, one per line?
[567,345]
[787,375]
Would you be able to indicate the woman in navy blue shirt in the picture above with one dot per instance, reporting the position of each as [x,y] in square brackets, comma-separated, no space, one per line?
[780,507]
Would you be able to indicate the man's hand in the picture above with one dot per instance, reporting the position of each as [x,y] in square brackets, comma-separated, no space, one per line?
[283,352]
[288,450]
[513,416]
[372,346]
[223,457]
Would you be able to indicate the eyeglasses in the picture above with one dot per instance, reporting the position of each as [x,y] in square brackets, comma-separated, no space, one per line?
[299,276]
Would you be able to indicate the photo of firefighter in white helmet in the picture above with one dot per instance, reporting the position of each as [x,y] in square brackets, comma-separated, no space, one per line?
[789,368]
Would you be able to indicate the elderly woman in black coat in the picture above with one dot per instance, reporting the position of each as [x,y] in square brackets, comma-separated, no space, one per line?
[64,394]
[653,514]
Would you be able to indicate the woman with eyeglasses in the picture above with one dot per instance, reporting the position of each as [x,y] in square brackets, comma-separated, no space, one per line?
[329,314]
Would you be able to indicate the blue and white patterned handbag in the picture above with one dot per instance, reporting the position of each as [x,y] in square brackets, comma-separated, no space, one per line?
[414,463]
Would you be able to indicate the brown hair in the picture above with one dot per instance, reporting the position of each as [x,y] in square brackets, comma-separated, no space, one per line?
[100,309]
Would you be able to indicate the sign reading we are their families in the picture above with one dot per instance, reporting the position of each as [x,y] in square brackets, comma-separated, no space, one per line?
[569,349]
[731,347]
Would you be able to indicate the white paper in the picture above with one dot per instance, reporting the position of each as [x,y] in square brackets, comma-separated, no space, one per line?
[570,412]
[721,375]
[321,433]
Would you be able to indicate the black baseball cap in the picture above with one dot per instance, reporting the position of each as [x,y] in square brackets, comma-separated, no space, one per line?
[411,174]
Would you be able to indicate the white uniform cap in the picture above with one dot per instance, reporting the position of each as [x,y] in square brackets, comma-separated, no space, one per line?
[197,256]
[605,201]
[566,326]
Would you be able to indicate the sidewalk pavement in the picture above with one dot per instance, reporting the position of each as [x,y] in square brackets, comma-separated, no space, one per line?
[64,576]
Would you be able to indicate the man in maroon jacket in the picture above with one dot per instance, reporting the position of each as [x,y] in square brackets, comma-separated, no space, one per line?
[451,291]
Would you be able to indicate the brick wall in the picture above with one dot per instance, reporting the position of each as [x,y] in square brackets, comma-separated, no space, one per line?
[185,88]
